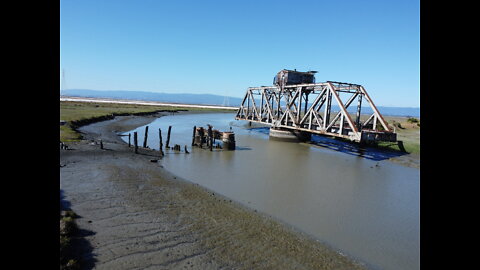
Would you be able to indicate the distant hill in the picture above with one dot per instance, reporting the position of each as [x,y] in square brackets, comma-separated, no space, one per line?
[392,111]
[208,99]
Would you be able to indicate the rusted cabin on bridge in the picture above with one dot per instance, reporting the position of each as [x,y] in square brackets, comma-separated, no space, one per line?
[290,77]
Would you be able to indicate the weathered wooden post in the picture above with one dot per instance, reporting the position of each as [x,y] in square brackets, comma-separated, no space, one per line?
[135,142]
[161,142]
[201,134]
[63,145]
[129,135]
[214,133]
[145,137]
[168,137]
[101,144]
[186,151]
[193,136]
[210,137]
[211,143]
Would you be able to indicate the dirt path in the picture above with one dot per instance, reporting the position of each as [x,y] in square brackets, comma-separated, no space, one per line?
[139,216]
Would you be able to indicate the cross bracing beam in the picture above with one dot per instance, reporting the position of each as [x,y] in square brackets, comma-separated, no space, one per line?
[288,108]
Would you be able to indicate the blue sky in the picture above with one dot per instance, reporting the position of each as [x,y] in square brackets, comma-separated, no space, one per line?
[223,47]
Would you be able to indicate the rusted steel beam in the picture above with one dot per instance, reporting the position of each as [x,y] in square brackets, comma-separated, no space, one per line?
[315,102]
[377,113]
[344,111]
[341,113]
[254,106]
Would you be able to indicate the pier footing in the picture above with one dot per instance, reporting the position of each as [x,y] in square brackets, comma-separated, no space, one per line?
[289,135]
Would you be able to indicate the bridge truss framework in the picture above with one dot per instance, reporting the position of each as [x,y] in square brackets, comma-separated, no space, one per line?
[288,108]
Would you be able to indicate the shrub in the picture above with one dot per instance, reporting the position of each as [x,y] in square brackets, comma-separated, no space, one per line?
[413,120]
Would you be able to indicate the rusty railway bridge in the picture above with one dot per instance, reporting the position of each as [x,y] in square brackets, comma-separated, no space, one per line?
[287,108]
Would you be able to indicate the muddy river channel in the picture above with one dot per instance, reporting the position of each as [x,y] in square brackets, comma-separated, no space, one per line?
[357,202]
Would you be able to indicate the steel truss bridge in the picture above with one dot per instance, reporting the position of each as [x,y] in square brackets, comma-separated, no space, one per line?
[287,107]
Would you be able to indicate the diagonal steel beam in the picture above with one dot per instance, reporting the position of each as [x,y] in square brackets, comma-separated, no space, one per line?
[368,120]
[374,108]
[254,106]
[312,106]
[344,111]
[340,113]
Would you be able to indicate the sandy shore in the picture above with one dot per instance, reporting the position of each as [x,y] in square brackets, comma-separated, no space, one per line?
[136,215]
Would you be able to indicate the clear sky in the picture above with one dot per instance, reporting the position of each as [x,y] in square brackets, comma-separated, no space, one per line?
[223,47]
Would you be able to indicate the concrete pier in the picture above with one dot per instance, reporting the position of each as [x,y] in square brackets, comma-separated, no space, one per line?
[289,135]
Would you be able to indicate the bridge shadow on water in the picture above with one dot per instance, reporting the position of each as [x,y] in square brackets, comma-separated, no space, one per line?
[355,149]
[343,146]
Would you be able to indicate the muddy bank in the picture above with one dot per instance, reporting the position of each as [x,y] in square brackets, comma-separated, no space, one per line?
[144,217]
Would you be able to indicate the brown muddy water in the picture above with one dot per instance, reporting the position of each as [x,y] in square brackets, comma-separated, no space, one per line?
[357,202]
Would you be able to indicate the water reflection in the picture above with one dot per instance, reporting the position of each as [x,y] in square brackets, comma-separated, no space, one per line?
[346,197]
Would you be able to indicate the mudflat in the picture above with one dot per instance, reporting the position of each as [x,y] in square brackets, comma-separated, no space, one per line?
[140,216]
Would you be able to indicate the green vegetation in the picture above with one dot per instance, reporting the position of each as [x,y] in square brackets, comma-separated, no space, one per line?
[67,134]
[408,135]
[80,113]
[406,142]
[413,120]
[68,228]
[407,146]
[397,124]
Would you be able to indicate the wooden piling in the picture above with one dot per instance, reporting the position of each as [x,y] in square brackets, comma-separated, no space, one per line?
[145,137]
[210,138]
[201,134]
[193,136]
[161,142]
[135,142]
[186,151]
[168,136]
[129,135]
[101,144]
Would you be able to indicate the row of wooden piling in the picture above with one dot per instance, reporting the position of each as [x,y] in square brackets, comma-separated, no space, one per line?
[176,147]
[198,139]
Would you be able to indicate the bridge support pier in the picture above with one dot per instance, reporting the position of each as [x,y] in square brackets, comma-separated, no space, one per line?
[289,135]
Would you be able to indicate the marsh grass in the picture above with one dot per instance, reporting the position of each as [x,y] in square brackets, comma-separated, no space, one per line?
[80,113]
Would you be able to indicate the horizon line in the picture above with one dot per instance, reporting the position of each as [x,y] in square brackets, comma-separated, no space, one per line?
[185,93]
